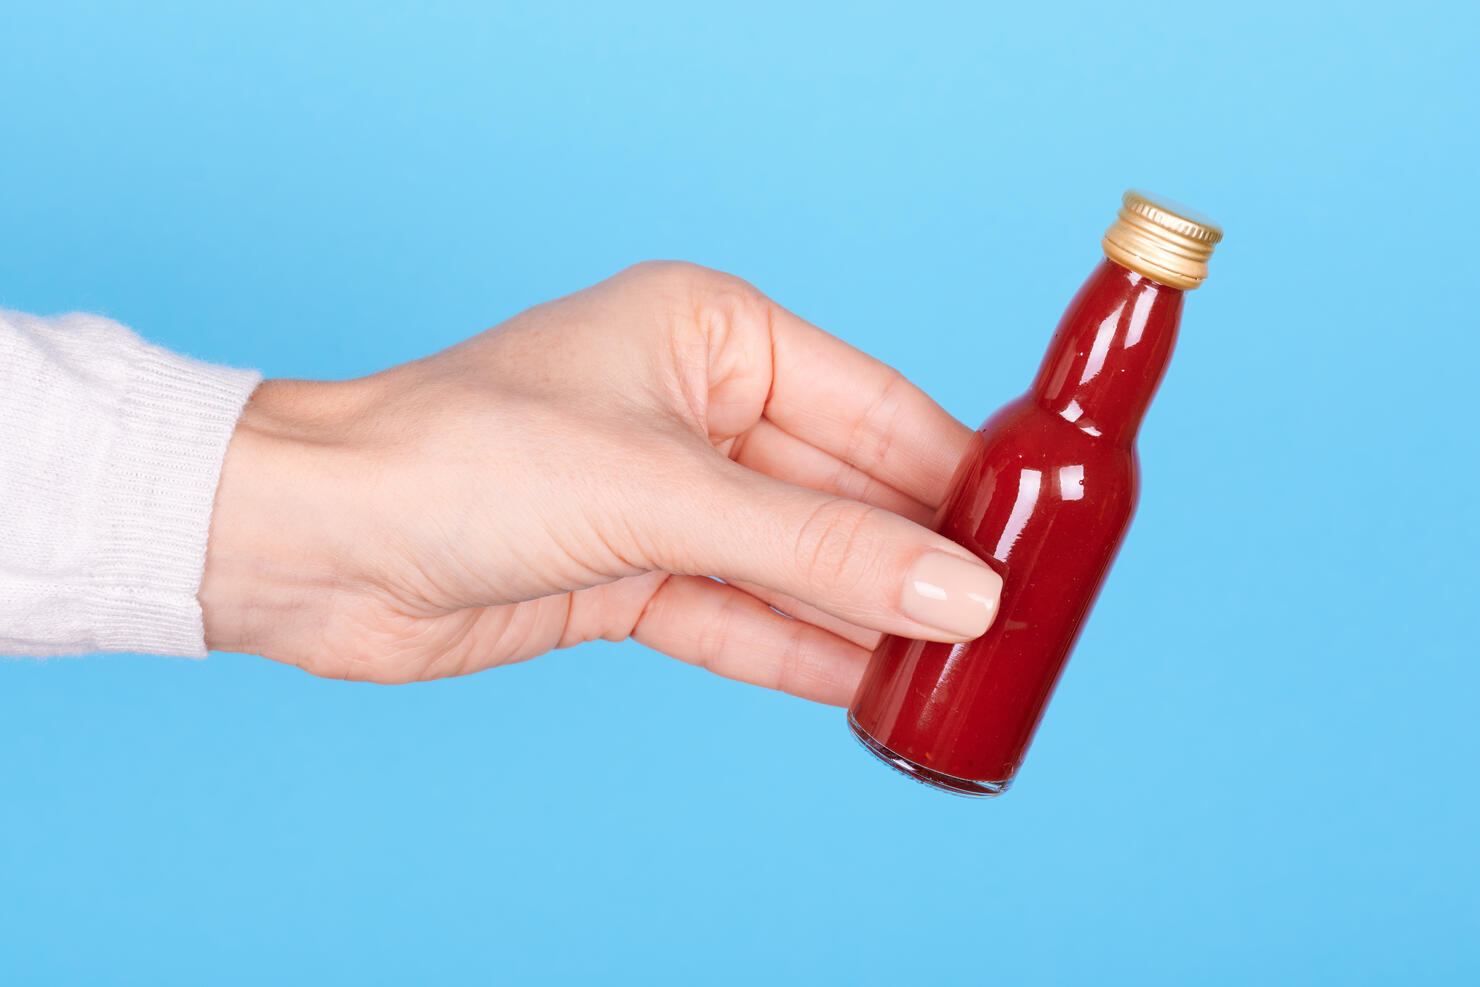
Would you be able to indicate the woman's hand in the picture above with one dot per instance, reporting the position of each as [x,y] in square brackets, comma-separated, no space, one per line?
[591,469]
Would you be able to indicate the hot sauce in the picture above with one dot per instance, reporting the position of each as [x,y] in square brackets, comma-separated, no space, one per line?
[1044,495]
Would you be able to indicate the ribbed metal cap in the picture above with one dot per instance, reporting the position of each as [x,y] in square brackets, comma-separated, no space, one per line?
[1162,239]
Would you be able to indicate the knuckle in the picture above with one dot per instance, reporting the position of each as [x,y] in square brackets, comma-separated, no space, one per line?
[854,484]
[711,292]
[731,297]
[871,439]
[735,316]
[703,297]
[709,648]
[833,546]
[791,668]
[661,270]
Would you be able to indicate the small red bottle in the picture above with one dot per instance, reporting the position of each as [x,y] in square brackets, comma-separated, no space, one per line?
[1044,496]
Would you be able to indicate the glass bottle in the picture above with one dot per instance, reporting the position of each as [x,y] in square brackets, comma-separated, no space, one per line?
[1044,496]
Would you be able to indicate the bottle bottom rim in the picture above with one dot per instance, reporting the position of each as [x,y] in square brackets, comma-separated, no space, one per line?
[938,780]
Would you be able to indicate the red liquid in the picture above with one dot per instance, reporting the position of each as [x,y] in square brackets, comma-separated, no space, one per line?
[1044,496]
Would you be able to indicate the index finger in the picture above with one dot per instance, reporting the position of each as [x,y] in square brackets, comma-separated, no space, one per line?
[861,410]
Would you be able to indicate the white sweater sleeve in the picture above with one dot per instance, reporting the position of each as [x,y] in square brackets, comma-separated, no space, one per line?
[110,453]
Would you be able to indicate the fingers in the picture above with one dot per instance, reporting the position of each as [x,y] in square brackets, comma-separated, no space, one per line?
[792,607]
[732,634]
[860,563]
[860,410]
[767,449]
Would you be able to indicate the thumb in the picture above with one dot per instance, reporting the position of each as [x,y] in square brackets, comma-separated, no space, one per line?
[861,563]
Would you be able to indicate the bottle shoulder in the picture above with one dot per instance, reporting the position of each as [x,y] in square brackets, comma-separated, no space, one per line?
[1031,477]
[1026,430]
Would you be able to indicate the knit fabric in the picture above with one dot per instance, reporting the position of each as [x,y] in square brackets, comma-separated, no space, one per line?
[110,453]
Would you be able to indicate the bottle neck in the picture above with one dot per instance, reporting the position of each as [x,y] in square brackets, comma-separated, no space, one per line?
[1109,352]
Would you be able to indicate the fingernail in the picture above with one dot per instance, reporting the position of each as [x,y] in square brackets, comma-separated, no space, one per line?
[952,594]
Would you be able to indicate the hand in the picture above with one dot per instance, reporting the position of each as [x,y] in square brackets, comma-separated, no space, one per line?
[591,469]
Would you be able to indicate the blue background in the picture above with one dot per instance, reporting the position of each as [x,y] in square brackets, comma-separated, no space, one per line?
[1260,768]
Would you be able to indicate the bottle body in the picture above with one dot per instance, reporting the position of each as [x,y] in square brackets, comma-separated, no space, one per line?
[1044,495]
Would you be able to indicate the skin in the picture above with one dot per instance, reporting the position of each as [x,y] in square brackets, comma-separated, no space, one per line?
[591,468]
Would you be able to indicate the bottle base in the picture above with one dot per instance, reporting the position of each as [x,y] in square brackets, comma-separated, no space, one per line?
[926,776]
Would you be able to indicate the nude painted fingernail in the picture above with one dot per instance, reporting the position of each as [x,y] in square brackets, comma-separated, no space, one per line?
[952,595]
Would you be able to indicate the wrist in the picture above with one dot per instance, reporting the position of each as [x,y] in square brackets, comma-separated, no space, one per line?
[273,558]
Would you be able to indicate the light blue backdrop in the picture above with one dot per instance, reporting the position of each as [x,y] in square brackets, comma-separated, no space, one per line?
[1261,767]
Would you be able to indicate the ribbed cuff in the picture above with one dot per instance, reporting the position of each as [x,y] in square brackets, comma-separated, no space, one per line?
[160,479]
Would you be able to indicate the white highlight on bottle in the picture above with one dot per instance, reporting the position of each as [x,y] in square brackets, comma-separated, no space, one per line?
[1140,314]
[1030,482]
[1100,348]
[1071,482]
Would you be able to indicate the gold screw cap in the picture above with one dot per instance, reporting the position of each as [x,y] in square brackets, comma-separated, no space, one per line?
[1162,239]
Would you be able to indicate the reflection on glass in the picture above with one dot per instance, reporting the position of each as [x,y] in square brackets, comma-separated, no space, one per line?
[1071,482]
[1101,346]
[1029,483]
[1140,313]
